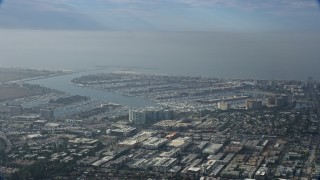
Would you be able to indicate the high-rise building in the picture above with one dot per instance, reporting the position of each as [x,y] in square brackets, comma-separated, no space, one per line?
[145,116]
[15,111]
[253,104]
[167,115]
[46,113]
[271,101]
[137,117]
[278,101]
[285,99]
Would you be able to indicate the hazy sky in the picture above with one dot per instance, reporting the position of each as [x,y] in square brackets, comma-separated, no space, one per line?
[245,55]
[163,15]
[222,38]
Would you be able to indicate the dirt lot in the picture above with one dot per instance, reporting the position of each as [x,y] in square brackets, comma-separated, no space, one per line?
[15,91]
[7,74]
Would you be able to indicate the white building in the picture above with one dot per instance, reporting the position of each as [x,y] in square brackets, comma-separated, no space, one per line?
[144,116]
[223,106]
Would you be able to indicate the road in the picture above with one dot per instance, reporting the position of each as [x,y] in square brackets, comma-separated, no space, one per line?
[7,141]
[316,138]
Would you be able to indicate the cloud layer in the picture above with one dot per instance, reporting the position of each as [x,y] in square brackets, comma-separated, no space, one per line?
[167,15]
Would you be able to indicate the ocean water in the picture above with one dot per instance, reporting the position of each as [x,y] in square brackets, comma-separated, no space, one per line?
[63,83]
[215,54]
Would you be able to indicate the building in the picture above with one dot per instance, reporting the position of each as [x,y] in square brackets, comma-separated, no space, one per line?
[171,154]
[278,101]
[15,111]
[285,99]
[46,113]
[147,116]
[253,104]
[262,173]
[123,131]
[224,106]
[271,101]
[182,143]
[172,135]
[137,117]
[166,114]
[162,164]
[154,143]
[212,148]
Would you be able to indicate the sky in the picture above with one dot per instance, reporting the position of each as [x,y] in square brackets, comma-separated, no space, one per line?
[163,15]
